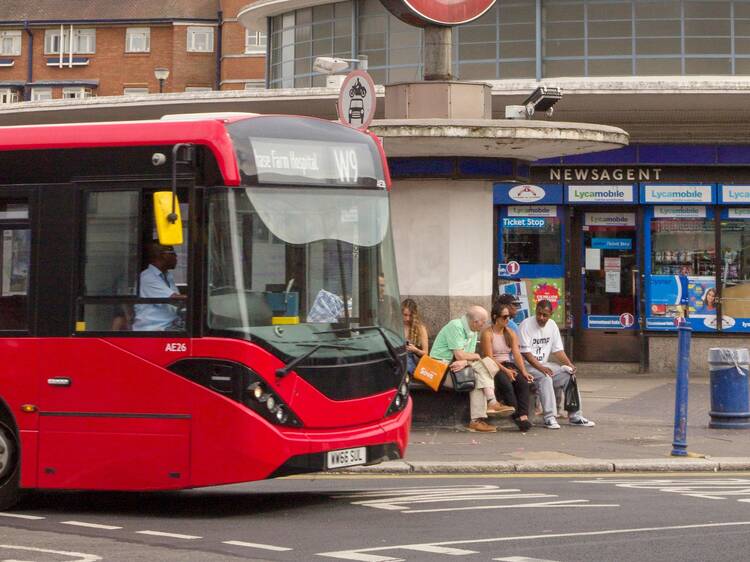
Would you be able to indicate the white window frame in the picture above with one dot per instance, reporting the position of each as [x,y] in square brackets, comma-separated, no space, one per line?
[255,41]
[195,44]
[41,94]
[76,93]
[10,43]
[84,41]
[8,95]
[138,40]
[135,91]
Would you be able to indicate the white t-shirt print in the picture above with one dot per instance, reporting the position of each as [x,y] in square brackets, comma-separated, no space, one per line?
[540,342]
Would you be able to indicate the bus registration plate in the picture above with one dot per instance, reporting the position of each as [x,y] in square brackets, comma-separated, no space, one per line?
[347,457]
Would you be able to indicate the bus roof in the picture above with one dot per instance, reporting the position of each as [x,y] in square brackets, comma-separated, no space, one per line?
[208,131]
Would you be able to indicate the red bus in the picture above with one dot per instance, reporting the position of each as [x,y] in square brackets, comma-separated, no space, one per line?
[274,345]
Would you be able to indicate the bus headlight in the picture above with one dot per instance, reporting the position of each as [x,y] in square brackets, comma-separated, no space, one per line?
[262,400]
[270,403]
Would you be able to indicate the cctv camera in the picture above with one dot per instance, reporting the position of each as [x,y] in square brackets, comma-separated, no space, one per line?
[158,159]
[543,98]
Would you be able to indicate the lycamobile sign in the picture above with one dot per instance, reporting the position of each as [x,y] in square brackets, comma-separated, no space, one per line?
[600,193]
[677,194]
[735,194]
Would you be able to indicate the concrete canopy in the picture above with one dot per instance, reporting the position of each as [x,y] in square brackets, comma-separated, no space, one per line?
[522,140]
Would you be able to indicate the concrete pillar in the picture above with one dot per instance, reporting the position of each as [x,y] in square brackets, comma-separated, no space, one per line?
[444,245]
[437,53]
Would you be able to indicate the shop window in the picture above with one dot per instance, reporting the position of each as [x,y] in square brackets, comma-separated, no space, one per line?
[15,259]
[532,240]
[735,269]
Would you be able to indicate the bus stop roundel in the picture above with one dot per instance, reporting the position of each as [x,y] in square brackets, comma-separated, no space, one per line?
[423,13]
[357,100]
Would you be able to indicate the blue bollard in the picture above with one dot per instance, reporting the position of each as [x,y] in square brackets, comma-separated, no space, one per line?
[679,444]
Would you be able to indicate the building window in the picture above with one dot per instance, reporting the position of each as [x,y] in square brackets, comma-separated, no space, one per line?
[41,94]
[84,41]
[198,89]
[135,91]
[255,41]
[76,93]
[8,96]
[10,43]
[137,40]
[200,39]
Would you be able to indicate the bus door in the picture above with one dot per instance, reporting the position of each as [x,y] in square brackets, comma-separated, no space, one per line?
[19,353]
[112,416]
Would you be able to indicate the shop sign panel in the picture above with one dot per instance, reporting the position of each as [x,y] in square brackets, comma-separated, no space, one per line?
[680,212]
[601,194]
[527,194]
[532,211]
[668,293]
[734,194]
[609,219]
[677,194]
[602,322]
[524,222]
[612,243]
[738,213]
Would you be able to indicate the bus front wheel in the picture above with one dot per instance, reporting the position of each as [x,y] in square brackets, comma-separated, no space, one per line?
[10,473]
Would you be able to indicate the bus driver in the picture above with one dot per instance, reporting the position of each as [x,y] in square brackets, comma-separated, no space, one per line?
[157,282]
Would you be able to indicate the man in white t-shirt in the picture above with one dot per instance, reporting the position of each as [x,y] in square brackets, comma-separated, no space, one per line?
[540,340]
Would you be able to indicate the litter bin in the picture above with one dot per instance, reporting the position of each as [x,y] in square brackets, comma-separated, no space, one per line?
[729,369]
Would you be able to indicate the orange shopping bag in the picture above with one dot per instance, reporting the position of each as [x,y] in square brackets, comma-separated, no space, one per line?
[430,372]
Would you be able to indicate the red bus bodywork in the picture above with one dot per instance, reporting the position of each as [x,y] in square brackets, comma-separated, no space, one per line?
[125,421]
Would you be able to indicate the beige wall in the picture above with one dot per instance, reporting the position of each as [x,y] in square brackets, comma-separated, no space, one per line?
[443,235]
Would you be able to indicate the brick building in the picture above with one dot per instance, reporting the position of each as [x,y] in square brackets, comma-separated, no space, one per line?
[51,49]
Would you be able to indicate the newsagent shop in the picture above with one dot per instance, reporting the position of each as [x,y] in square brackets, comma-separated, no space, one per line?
[621,250]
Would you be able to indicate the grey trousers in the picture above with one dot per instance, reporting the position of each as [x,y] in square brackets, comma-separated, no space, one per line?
[546,386]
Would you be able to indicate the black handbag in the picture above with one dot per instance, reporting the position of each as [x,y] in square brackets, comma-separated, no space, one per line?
[572,398]
[463,380]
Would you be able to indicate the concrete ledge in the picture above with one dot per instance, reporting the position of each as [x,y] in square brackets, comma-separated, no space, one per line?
[728,464]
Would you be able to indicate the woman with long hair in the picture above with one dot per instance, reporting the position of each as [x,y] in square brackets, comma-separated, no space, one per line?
[512,381]
[415,334]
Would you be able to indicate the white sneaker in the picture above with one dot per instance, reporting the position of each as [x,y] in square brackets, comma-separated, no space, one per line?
[551,423]
[581,422]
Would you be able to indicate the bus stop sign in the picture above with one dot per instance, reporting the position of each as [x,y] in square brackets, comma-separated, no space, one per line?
[357,100]
[423,13]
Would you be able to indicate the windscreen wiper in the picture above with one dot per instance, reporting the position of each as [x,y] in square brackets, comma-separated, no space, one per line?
[388,344]
[284,371]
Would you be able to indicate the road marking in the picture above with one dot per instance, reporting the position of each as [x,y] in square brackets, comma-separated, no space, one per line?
[21,516]
[521,559]
[403,499]
[91,525]
[709,489]
[443,550]
[362,553]
[79,556]
[258,545]
[169,535]
[562,503]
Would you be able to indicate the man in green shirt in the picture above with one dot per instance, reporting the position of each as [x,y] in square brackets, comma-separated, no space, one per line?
[456,344]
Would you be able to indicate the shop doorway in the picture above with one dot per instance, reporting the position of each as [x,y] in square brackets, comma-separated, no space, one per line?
[605,285]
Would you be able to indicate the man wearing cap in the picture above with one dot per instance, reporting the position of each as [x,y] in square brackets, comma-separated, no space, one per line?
[157,282]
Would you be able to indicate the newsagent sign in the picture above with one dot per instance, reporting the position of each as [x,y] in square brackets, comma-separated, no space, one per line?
[423,13]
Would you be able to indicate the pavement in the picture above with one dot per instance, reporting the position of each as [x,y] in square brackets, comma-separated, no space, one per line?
[634,417]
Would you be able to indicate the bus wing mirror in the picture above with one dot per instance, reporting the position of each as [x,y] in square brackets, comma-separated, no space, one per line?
[167,218]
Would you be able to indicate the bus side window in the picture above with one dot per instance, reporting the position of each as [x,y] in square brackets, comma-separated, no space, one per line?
[15,252]
[111,264]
